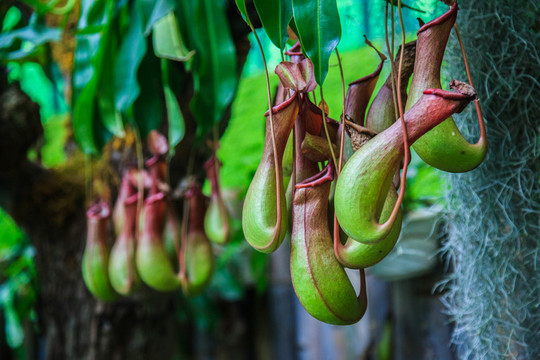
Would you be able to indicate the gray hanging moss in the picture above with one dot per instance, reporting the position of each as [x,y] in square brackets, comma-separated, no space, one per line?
[494,211]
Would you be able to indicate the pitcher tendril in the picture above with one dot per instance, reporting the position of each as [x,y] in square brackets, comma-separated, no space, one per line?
[481,123]
[326,127]
[406,147]
[277,228]
[342,137]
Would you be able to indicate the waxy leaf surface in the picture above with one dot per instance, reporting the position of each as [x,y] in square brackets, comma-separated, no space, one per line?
[214,71]
[275,16]
[88,62]
[319,30]
[241,5]
[129,58]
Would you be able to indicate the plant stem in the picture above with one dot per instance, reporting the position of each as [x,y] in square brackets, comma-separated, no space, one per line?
[277,229]
[406,149]
[326,127]
[342,139]
[481,123]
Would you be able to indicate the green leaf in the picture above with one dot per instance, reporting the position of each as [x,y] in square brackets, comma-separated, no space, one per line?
[319,31]
[214,72]
[109,115]
[84,88]
[241,5]
[153,10]
[292,25]
[25,43]
[167,39]
[174,114]
[128,60]
[13,327]
[175,119]
[275,16]
[101,133]
[92,30]
[186,22]
[95,13]
[89,58]
[12,237]
[147,109]
[34,33]
[11,19]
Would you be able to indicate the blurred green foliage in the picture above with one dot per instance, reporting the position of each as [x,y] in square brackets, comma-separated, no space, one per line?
[425,185]
[35,82]
[18,288]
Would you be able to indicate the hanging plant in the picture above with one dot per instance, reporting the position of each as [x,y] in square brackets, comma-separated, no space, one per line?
[348,215]
[368,193]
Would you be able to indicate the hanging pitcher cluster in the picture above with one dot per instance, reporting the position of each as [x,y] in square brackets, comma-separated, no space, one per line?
[352,218]
[153,244]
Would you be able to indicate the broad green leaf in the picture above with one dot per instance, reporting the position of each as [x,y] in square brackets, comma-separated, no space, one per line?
[13,327]
[167,39]
[109,115]
[95,13]
[12,238]
[174,114]
[128,60]
[275,16]
[147,109]
[187,24]
[175,119]
[153,10]
[92,30]
[24,55]
[319,30]
[241,5]
[11,19]
[31,38]
[34,33]
[120,6]
[89,58]
[214,72]
[101,133]
[292,25]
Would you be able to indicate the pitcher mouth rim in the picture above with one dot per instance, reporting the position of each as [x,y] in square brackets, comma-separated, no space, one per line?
[453,95]
[281,106]
[453,10]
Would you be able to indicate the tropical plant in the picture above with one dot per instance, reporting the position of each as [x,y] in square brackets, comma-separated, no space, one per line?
[365,205]
[139,68]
